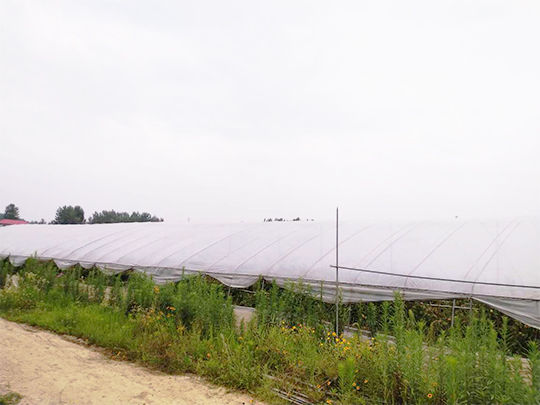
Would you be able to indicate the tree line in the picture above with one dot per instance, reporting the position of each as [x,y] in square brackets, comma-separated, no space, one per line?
[283,220]
[69,214]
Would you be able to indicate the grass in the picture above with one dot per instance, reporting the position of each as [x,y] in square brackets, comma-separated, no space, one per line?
[301,303]
[11,398]
[289,349]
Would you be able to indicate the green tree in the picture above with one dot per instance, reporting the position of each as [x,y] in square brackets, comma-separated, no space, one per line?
[69,215]
[145,217]
[11,212]
[110,217]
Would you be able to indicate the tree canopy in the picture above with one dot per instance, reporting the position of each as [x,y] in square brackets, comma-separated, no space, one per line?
[69,215]
[110,217]
[11,212]
[282,219]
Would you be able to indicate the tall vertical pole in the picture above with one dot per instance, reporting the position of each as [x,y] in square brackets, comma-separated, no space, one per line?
[337,271]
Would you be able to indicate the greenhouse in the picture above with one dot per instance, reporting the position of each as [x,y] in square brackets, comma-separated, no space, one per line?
[496,261]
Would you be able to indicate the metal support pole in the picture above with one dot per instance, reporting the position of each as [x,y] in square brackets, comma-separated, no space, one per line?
[337,271]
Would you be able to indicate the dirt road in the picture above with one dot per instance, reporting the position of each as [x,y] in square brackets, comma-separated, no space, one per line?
[50,370]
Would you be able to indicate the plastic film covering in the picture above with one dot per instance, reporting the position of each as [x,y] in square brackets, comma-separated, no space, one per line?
[494,261]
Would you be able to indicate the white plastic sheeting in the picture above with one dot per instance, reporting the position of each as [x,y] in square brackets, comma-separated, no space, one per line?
[494,261]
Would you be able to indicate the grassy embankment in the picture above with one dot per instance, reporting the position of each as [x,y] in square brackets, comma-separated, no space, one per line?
[189,327]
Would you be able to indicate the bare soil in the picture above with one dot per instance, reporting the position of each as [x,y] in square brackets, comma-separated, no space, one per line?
[49,369]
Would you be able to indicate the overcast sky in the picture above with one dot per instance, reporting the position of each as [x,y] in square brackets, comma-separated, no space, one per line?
[238,111]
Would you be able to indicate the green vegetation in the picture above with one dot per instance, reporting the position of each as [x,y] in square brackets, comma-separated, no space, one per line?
[69,214]
[289,351]
[302,304]
[11,398]
[75,215]
[11,212]
[110,217]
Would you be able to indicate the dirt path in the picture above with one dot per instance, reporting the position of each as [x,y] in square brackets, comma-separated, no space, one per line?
[47,369]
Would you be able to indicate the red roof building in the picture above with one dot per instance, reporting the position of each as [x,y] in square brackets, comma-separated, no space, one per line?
[5,222]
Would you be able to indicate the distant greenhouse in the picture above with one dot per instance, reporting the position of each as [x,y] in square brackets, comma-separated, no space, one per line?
[496,262]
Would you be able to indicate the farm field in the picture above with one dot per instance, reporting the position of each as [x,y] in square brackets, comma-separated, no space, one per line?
[288,353]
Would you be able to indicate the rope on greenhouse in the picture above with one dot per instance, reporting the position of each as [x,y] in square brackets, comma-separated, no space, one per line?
[437,278]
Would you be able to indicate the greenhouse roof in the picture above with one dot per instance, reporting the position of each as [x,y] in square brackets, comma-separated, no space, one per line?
[493,261]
